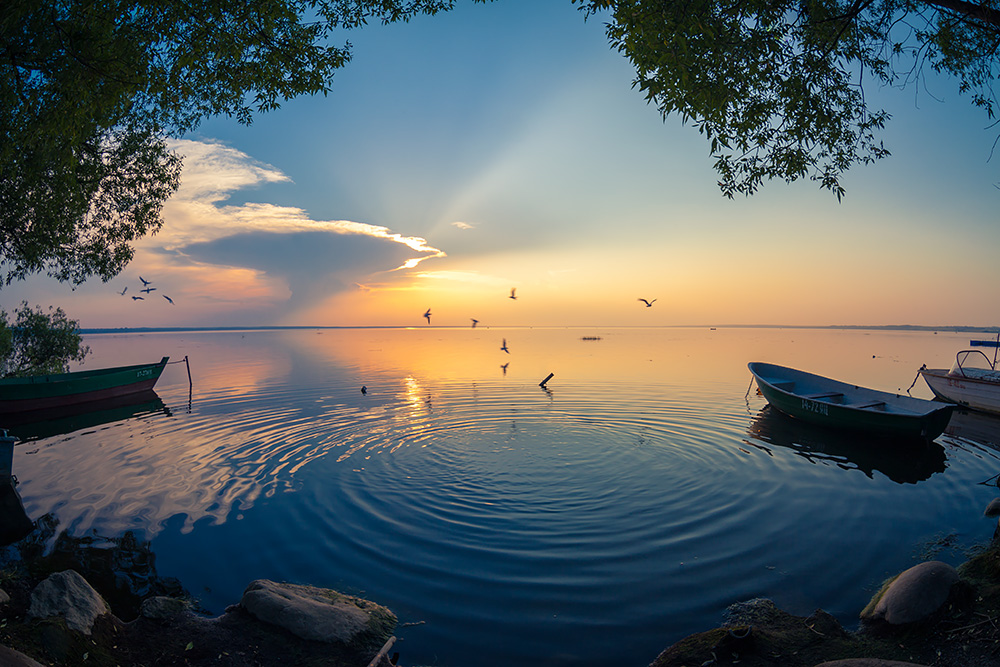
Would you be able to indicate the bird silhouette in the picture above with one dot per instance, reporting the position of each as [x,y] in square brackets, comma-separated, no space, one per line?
[138,298]
[124,290]
[168,299]
[504,367]
[364,389]
[512,293]
[649,304]
[504,346]
[474,322]
[428,315]
[148,290]
[144,281]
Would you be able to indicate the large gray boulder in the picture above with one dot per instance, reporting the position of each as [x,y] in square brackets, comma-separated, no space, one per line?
[319,614]
[913,595]
[68,595]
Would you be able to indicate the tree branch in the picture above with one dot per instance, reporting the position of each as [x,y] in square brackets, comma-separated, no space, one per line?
[986,15]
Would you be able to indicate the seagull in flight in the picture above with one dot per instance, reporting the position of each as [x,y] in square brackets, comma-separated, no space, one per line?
[474,322]
[428,315]
[148,290]
[504,367]
[124,290]
[138,298]
[168,299]
[649,304]
[512,293]
[504,346]
[145,282]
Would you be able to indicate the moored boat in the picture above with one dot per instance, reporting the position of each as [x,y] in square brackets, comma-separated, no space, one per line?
[42,392]
[973,381]
[827,402]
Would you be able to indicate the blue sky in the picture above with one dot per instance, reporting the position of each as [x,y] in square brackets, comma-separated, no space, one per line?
[501,146]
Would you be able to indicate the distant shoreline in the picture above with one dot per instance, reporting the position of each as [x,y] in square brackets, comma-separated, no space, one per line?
[849,327]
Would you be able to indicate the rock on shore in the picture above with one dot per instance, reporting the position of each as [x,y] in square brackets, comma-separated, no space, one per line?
[274,625]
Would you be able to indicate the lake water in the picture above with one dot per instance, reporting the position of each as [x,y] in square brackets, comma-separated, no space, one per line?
[593,522]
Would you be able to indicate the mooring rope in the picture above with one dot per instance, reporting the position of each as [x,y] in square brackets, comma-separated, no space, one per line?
[916,378]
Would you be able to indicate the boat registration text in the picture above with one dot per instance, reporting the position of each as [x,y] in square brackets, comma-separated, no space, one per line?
[814,406]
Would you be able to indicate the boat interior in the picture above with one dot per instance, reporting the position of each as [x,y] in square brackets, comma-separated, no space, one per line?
[833,397]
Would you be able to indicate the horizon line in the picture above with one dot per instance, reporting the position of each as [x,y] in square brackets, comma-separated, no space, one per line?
[881,327]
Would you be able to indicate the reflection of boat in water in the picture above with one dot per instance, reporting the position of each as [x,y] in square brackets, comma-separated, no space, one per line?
[978,427]
[973,381]
[903,463]
[36,424]
[825,402]
[40,392]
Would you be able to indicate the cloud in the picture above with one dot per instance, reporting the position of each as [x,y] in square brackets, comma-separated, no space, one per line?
[463,225]
[259,240]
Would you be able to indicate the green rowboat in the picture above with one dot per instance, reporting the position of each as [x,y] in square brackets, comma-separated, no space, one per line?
[820,400]
[41,392]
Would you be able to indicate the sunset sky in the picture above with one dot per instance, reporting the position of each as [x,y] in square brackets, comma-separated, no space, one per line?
[501,146]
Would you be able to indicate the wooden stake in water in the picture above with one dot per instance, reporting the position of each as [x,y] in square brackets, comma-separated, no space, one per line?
[547,378]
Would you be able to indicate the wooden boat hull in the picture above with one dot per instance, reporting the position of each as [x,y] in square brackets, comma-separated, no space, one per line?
[44,392]
[975,393]
[825,402]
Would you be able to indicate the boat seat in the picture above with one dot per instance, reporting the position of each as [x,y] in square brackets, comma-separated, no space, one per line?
[829,394]
[869,405]
[784,385]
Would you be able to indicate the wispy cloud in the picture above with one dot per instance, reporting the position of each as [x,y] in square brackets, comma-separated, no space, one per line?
[212,171]
[463,225]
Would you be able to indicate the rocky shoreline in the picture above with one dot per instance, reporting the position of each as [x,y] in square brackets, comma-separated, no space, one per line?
[64,621]
[931,615]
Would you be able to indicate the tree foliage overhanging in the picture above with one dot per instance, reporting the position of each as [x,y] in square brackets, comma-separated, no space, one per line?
[89,91]
[778,86]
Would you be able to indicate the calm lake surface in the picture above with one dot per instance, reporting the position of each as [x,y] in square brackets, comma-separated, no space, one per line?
[592,523]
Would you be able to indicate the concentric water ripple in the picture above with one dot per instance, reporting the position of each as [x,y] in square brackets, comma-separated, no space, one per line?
[595,522]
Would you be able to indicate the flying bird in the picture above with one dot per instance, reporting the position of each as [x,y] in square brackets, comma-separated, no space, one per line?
[474,322]
[138,298]
[428,315]
[512,293]
[504,346]
[504,367]
[649,304]
[124,290]
[168,299]
[148,290]
[144,281]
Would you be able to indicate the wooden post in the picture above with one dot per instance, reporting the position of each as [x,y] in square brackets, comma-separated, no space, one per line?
[190,383]
[547,378]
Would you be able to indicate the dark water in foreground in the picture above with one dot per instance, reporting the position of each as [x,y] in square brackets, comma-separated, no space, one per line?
[591,524]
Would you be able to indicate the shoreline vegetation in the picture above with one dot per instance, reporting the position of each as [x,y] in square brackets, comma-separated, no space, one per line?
[846,327]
